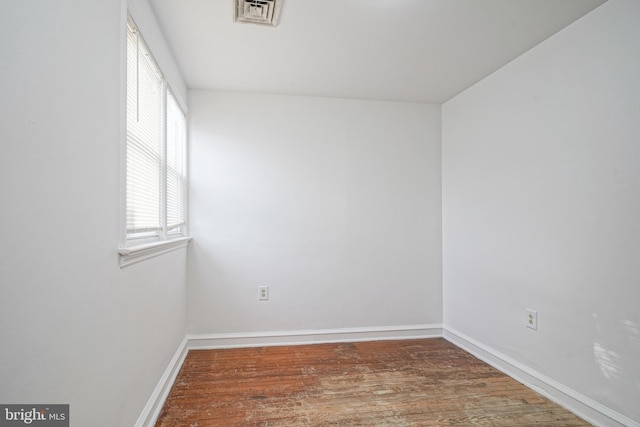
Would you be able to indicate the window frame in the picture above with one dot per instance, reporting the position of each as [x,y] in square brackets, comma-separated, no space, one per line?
[138,246]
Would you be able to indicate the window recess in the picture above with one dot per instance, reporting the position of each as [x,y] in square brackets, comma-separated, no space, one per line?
[155,170]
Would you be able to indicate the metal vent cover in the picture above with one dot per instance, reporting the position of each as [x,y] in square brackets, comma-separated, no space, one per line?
[263,12]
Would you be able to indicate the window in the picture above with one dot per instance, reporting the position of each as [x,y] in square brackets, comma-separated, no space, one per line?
[155,159]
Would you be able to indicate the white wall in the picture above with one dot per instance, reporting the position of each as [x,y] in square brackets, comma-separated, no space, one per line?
[541,208]
[334,204]
[74,327]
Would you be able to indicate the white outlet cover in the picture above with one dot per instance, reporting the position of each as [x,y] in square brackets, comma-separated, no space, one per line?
[532,319]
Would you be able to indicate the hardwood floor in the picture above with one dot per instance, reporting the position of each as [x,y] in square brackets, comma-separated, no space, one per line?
[426,382]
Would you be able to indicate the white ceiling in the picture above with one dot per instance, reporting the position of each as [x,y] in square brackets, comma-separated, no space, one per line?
[397,50]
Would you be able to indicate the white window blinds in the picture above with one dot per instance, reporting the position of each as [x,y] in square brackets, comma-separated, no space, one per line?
[155,148]
[176,165]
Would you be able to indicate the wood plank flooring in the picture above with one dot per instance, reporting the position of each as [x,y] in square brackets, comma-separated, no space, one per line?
[426,382]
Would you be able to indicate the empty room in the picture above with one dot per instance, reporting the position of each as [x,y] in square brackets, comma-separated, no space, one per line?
[308,213]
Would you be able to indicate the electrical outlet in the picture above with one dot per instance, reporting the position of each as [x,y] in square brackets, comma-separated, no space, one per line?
[263,293]
[532,319]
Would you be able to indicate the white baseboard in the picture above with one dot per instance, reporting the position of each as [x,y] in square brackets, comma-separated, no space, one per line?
[151,411]
[314,336]
[586,408]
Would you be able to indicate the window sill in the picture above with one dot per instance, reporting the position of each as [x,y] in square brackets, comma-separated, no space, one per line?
[139,253]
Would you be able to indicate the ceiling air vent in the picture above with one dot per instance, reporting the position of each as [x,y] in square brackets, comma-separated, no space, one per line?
[264,12]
